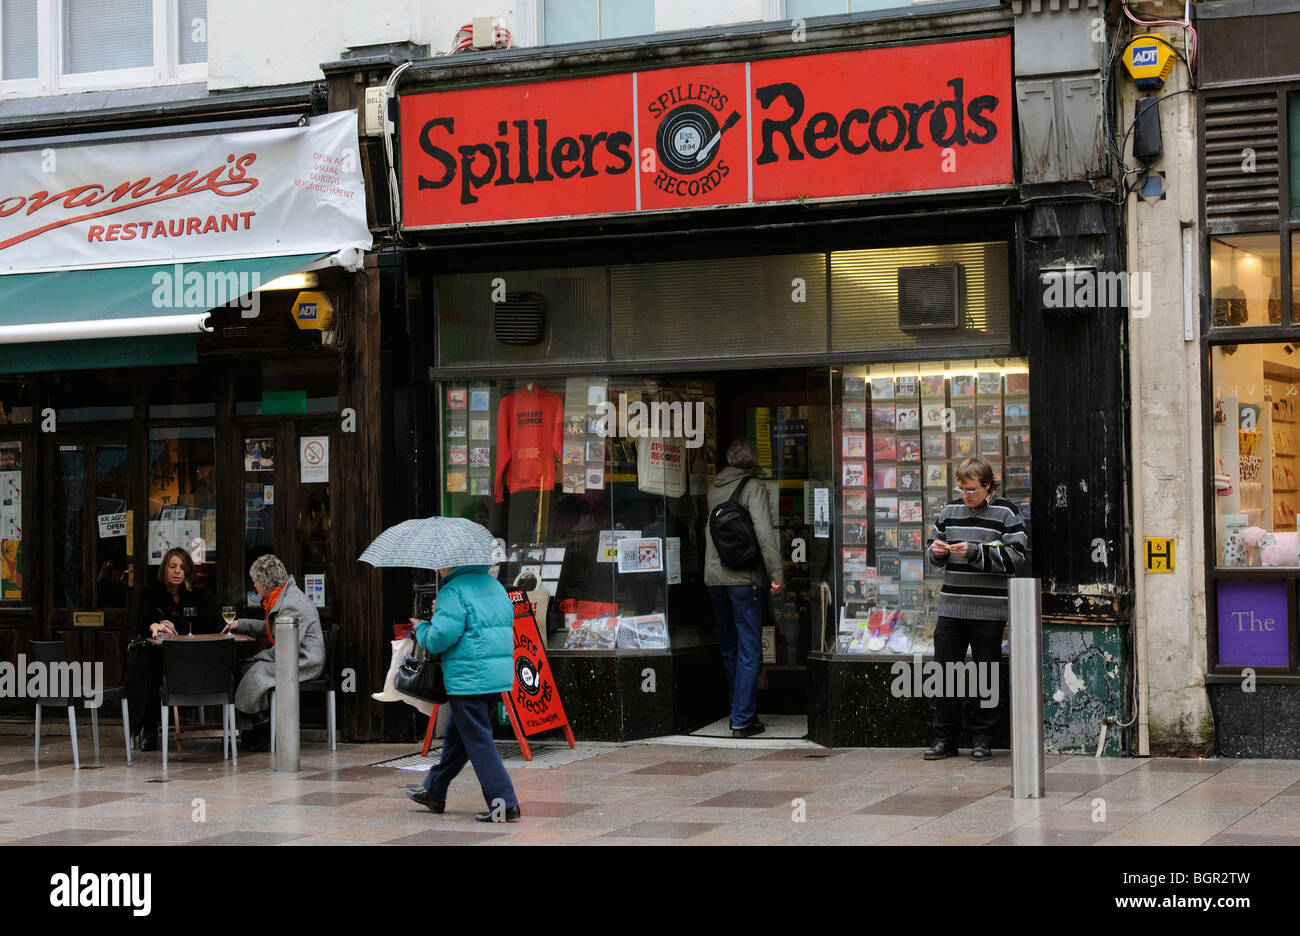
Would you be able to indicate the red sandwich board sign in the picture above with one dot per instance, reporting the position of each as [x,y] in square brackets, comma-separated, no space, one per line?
[534,702]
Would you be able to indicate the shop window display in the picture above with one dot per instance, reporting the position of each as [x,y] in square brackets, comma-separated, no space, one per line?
[904,430]
[1256,454]
[596,488]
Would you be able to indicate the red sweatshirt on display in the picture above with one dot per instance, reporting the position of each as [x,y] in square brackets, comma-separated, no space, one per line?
[530,438]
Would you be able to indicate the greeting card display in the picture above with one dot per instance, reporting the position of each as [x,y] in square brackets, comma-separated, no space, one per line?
[901,439]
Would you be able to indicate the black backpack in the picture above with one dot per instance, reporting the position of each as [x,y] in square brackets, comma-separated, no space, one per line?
[732,530]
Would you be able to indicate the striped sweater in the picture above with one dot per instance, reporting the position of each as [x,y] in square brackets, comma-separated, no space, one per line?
[975,587]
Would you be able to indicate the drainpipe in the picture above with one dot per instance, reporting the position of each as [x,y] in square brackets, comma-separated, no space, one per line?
[1139,506]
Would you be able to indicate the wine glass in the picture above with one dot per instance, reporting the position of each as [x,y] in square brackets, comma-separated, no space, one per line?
[228,614]
[190,613]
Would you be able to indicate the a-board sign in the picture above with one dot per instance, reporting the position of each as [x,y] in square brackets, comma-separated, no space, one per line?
[534,696]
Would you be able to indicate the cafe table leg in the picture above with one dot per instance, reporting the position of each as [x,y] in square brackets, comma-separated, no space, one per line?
[164,736]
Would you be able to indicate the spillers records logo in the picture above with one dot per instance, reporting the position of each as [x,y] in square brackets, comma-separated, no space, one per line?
[526,674]
[688,141]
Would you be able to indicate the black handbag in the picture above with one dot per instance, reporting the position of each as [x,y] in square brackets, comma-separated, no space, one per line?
[420,675]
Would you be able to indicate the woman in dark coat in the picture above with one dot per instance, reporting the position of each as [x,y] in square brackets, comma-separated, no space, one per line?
[163,611]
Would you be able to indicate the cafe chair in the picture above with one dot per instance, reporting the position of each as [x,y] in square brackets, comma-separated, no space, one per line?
[48,653]
[200,672]
[326,682]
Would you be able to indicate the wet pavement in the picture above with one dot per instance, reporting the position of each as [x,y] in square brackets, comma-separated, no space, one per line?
[678,791]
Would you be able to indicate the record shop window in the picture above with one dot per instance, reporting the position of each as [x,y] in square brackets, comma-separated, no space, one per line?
[596,488]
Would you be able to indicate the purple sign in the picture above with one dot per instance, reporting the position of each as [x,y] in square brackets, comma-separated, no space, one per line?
[1253,623]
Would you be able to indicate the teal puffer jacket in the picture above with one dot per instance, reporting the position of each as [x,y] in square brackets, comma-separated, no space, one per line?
[473,629]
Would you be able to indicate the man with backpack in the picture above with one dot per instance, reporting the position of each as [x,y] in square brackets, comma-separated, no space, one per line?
[740,542]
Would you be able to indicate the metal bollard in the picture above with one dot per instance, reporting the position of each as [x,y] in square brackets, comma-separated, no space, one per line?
[286,694]
[1026,689]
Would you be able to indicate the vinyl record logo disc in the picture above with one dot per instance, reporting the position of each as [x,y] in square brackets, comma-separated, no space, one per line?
[527,677]
[686,131]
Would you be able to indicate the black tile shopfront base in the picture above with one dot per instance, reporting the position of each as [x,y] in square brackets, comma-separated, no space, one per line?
[859,703]
[1263,723]
[625,697]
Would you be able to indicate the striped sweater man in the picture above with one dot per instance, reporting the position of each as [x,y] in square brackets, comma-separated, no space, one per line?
[975,586]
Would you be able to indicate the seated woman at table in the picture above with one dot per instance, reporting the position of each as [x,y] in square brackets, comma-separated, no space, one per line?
[280,596]
[170,605]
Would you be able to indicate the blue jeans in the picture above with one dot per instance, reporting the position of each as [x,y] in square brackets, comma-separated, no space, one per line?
[469,738]
[738,614]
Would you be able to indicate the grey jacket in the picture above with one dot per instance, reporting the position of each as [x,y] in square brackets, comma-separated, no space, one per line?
[254,691]
[754,497]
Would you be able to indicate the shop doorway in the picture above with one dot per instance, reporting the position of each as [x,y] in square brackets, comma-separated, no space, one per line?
[787,415]
[91,562]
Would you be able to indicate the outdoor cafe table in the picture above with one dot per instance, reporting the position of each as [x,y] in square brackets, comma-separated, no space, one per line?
[202,730]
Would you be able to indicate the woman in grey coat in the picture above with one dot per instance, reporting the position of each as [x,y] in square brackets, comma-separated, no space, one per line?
[280,596]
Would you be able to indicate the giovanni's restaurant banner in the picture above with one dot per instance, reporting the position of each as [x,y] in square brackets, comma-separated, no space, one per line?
[829,125]
[259,193]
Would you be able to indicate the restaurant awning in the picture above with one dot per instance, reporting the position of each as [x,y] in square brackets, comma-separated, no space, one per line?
[123,316]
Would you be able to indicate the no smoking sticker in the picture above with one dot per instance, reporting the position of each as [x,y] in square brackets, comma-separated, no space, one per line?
[314,459]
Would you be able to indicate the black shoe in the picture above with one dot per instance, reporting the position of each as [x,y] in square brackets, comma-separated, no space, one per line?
[753,728]
[512,815]
[939,750]
[980,752]
[422,797]
[255,741]
[148,742]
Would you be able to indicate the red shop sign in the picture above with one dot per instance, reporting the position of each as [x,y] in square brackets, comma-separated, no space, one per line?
[918,118]
[534,696]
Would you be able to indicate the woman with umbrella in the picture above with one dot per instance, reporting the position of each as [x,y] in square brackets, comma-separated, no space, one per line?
[473,629]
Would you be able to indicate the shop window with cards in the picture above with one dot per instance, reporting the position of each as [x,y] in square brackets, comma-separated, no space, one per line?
[904,430]
[1256,452]
[595,487]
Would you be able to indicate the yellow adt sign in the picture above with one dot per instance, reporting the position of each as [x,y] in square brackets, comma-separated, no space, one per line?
[313,311]
[1160,553]
[1149,60]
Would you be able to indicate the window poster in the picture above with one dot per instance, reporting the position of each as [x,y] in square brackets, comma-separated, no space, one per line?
[11,570]
[259,454]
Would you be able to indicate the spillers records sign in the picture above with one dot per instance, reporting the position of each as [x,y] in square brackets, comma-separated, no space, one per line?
[820,126]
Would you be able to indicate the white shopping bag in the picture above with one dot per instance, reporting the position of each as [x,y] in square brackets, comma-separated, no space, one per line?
[400,649]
